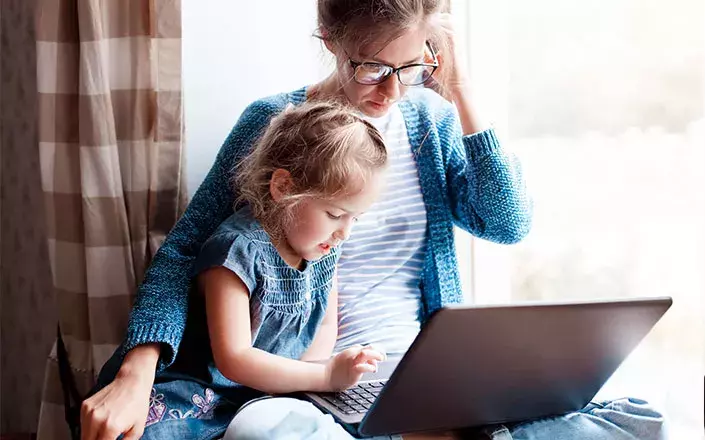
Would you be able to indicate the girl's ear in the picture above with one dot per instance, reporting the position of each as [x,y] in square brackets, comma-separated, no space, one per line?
[280,184]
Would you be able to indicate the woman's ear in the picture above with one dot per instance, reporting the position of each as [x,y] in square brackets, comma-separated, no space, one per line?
[330,46]
[323,36]
[280,184]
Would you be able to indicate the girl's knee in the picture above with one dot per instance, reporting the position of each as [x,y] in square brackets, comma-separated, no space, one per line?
[273,417]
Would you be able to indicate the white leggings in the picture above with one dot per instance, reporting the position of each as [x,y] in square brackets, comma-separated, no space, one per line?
[286,419]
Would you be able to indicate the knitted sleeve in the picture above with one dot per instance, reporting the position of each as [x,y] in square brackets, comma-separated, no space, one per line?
[486,188]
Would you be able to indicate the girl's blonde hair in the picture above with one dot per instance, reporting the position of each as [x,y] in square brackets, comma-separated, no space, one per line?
[356,23]
[327,149]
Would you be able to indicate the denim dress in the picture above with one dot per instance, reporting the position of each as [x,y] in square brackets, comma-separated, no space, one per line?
[192,399]
[287,305]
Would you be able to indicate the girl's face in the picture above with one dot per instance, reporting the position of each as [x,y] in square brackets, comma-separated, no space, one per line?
[375,100]
[320,224]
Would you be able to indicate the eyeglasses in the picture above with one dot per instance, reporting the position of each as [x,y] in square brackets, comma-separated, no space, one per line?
[369,74]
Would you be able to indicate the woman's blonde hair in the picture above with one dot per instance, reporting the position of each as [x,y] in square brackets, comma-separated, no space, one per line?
[327,150]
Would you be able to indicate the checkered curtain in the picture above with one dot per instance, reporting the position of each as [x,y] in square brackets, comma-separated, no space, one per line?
[111,152]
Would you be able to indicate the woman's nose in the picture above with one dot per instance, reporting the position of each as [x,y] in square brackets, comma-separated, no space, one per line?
[390,88]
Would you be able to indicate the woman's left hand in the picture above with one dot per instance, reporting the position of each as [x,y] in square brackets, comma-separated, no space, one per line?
[451,77]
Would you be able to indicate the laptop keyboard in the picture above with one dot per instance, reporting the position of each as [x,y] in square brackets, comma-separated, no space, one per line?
[356,400]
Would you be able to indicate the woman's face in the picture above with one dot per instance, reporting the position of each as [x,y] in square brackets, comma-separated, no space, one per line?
[376,100]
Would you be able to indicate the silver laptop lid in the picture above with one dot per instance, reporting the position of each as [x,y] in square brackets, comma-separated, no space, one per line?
[477,365]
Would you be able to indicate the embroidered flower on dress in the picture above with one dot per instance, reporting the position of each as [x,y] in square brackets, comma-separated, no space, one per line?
[157,408]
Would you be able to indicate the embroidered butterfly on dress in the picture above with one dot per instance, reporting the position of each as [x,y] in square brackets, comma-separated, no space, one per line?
[205,405]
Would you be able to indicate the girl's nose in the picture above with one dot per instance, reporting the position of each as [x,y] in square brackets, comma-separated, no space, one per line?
[343,233]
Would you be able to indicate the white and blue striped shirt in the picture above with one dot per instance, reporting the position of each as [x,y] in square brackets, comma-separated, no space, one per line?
[380,267]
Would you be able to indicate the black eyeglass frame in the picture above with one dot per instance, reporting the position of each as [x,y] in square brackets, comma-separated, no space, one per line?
[393,70]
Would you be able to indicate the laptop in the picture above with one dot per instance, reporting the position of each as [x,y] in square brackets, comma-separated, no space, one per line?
[479,365]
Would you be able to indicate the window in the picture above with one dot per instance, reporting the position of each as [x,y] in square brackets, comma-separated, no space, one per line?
[604,103]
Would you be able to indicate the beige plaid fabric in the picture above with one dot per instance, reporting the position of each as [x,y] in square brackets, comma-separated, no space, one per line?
[111,151]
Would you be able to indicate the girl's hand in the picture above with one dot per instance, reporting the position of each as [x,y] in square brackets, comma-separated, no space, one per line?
[346,368]
[451,77]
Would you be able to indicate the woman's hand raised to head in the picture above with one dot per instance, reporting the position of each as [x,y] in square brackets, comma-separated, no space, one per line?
[452,79]
[122,406]
[452,70]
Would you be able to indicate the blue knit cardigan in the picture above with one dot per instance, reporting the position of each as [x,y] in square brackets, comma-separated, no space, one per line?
[467,181]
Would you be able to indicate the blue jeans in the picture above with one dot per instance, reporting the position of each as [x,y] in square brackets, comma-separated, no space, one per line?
[622,419]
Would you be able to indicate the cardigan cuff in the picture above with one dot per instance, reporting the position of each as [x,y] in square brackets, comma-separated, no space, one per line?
[167,335]
[481,144]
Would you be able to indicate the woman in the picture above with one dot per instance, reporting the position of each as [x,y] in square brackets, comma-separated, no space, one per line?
[399,264]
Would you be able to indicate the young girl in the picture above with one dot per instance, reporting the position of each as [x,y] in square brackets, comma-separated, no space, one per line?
[268,272]
[446,170]
[266,292]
